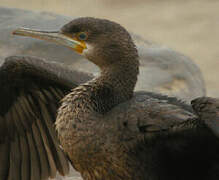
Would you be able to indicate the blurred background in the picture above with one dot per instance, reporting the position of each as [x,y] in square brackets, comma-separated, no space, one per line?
[189,26]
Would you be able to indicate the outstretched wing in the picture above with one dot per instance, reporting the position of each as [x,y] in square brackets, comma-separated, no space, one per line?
[208,111]
[30,91]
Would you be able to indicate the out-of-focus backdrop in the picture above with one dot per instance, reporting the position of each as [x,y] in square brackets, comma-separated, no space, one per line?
[189,26]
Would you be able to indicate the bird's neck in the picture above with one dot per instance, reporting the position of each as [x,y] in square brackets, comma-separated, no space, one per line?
[115,84]
[121,77]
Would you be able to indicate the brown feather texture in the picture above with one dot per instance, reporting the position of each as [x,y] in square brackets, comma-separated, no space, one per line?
[50,115]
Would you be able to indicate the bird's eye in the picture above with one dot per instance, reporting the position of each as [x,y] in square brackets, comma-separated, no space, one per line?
[82,36]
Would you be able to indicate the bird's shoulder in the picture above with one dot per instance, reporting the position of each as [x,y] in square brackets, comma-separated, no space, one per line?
[149,112]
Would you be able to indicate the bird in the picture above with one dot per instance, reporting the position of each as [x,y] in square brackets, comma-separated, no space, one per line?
[168,71]
[105,129]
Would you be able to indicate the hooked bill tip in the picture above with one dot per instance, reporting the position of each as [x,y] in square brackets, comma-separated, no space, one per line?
[14,32]
[18,31]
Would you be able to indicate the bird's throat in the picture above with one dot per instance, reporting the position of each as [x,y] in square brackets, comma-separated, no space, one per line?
[120,79]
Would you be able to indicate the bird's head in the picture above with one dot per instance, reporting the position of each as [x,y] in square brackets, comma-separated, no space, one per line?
[101,41]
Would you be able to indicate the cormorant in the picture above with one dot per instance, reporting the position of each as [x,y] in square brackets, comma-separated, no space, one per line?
[107,131]
[168,71]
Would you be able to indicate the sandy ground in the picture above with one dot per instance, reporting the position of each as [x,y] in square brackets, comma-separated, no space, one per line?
[188,26]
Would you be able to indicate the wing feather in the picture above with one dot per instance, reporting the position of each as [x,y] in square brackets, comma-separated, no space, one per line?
[34,158]
[62,163]
[15,160]
[25,162]
[30,93]
[56,93]
[44,166]
[17,117]
[5,160]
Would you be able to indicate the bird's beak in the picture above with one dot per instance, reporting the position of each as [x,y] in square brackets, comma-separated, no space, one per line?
[57,37]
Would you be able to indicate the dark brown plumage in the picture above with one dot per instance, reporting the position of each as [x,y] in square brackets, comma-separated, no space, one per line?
[30,93]
[107,131]
[207,109]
